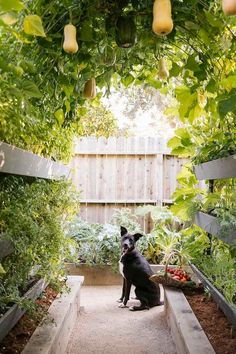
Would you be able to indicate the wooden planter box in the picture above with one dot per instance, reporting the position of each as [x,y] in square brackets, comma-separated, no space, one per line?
[211,225]
[217,169]
[228,309]
[52,336]
[95,275]
[186,331]
[12,316]
[20,162]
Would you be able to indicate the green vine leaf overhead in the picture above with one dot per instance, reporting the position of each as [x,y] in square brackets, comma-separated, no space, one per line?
[41,86]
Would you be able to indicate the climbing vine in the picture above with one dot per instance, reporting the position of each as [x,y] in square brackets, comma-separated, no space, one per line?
[42,85]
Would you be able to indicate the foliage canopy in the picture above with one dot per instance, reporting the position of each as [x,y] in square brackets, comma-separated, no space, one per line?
[41,85]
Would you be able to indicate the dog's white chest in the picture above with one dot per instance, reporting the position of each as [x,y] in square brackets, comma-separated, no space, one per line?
[121,267]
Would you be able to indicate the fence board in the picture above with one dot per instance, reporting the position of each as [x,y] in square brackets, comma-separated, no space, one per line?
[122,172]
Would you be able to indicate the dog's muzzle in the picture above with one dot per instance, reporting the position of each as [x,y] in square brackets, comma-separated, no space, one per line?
[125,248]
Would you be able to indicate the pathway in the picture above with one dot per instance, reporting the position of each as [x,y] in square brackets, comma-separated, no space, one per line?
[104,328]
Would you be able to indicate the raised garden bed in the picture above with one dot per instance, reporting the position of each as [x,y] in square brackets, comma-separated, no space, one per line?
[18,337]
[217,169]
[12,316]
[211,225]
[228,309]
[53,334]
[186,331]
[95,275]
[212,320]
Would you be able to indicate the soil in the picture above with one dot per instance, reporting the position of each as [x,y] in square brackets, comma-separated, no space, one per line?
[16,340]
[213,321]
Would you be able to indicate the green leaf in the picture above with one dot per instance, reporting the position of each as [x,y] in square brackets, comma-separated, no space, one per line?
[59,115]
[11,5]
[175,70]
[30,89]
[186,100]
[174,142]
[227,105]
[213,20]
[192,64]
[183,133]
[33,25]
[126,81]
[229,83]
[86,33]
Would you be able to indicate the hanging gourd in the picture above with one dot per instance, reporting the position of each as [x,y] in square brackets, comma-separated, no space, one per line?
[229,7]
[125,32]
[162,21]
[90,89]
[163,72]
[70,44]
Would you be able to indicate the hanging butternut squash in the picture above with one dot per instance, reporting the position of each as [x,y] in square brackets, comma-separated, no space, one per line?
[70,44]
[90,88]
[163,72]
[229,7]
[162,21]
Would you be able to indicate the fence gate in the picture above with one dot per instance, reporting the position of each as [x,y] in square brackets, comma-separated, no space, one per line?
[123,172]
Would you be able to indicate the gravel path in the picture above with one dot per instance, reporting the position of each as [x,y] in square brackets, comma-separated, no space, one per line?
[104,328]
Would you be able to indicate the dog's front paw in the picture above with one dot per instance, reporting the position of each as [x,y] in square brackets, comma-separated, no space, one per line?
[120,300]
[122,305]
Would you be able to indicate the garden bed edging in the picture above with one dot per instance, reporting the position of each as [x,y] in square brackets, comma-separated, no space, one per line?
[53,334]
[186,331]
[94,275]
[211,225]
[12,316]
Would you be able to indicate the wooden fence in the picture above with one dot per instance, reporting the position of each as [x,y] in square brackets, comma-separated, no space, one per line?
[122,172]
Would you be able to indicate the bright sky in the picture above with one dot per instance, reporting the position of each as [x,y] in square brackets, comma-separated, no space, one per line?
[142,112]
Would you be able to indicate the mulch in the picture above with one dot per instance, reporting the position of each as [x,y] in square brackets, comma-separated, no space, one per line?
[213,321]
[16,340]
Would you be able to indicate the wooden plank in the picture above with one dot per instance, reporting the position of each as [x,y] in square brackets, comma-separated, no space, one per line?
[217,169]
[151,171]
[116,201]
[187,332]
[211,225]
[159,178]
[20,162]
[159,145]
[12,316]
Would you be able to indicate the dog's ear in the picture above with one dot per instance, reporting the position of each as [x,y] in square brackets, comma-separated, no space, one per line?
[137,237]
[123,231]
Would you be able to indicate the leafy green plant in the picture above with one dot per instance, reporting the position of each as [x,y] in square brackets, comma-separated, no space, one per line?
[124,217]
[32,217]
[41,86]
[220,269]
[174,241]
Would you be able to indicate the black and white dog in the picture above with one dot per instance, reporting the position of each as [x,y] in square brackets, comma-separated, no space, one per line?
[136,271]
